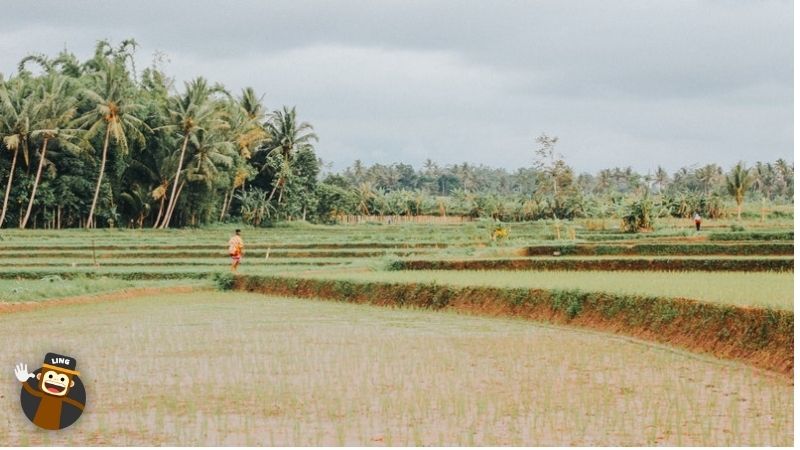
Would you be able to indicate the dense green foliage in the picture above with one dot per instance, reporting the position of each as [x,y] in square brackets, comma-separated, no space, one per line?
[96,143]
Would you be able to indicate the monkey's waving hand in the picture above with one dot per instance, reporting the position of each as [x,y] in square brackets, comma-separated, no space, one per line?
[21,371]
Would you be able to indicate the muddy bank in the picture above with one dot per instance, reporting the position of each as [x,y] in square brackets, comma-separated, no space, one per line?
[761,337]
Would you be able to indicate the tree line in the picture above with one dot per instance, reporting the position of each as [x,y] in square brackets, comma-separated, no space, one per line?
[97,143]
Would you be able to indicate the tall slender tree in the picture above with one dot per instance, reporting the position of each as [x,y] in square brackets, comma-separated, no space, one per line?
[15,126]
[287,136]
[113,111]
[54,110]
[738,181]
[194,111]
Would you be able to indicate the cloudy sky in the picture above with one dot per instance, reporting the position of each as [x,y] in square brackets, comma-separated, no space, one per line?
[639,83]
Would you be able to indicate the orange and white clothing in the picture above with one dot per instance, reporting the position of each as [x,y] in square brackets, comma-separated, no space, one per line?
[235,247]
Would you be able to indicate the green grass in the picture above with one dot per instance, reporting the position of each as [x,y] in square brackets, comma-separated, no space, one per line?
[216,368]
[54,287]
[475,233]
[773,290]
[145,272]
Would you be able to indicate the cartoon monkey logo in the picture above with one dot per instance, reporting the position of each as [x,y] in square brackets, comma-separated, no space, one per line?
[53,396]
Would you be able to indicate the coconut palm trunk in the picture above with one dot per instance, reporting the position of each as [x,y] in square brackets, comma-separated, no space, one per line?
[90,220]
[739,201]
[274,188]
[224,206]
[173,196]
[160,211]
[230,199]
[8,187]
[168,216]
[35,184]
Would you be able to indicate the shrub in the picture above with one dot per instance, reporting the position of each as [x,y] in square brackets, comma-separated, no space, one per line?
[570,301]
[224,281]
[500,233]
[640,215]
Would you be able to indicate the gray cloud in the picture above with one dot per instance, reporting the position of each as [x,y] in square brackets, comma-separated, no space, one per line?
[625,83]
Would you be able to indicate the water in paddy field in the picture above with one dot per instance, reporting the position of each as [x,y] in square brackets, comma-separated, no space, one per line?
[413,377]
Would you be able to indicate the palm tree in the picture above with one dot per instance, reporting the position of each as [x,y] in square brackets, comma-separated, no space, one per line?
[547,159]
[252,104]
[287,137]
[54,109]
[245,117]
[190,113]
[785,176]
[15,126]
[285,172]
[738,182]
[113,110]
[211,151]
[661,178]
[707,175]
[365,193]
[138,201]
[358,172]
[240,175]
[160,193]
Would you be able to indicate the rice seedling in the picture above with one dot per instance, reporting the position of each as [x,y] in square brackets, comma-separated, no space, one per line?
[324,373]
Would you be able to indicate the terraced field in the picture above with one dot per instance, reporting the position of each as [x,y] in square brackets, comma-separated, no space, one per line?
[272,371]
[685,338]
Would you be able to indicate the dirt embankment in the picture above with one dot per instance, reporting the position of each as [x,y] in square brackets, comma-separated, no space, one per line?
[665,249]
[87,255]
[761,337]
[677,264]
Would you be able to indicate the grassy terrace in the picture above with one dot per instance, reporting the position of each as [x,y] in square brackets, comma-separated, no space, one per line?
[475,233]
[12,291]
[144,272]
[412,377]
[365,250]
[774,290]
[222,261]
[669,264]
[220,253]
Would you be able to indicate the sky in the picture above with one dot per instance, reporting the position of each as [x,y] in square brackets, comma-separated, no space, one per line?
[625,83]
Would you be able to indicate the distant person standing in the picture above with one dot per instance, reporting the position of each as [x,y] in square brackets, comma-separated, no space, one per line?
[697,220]
[235,250]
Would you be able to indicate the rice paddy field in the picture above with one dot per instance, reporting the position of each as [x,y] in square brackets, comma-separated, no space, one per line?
[757,289]
[170,355]
[175,370]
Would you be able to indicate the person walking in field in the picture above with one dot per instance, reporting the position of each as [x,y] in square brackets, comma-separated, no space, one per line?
[697,220]
[236,250]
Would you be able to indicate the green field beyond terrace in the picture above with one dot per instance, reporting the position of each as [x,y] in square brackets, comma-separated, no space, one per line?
[345,374]
[12,291]
[365,252]
[774,290]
